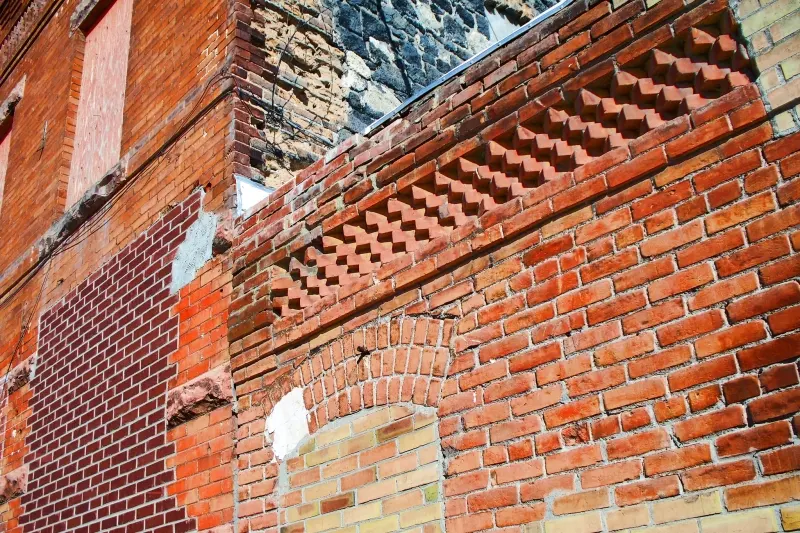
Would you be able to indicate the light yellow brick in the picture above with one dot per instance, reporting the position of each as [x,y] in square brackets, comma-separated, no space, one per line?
[634,516]
[785,27]
[322,456]
[760,41]
[333,435]
[784,121]
[373,491]
[534,527]
[396,412]
[417,438]
[326,521]
[791,67]
[356,444]
[689,526]
[687,507]
[767,15]
[579,523]
[370,421]
[307,446]
[747,7]
[790,518]
[320,490]
[301,512]
[785,94]
[428,454]
[757,521]
[362,513]
[618,3]
[420,515]
[423,476]
[389,523]
[651,3]
[778,53]
[351,529]
[770,79]
[424,419]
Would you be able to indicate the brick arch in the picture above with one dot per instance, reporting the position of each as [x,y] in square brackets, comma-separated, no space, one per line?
[401,360]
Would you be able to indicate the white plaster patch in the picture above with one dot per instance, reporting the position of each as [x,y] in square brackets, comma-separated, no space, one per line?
[287,425]
[382,49]
[249,193]
[380,99]
[194,251]
[477,41]
[358,65]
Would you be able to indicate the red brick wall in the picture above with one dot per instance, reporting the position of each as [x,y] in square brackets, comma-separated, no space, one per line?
[97,443]
[621,273]
[164,82]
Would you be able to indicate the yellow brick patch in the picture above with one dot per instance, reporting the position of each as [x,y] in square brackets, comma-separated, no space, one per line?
[757,521]
[579,523]
[376,471]
[687,507]
[627,517]
[790,518]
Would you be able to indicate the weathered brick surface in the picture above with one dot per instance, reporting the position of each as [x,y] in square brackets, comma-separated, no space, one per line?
[621,327]
[582,253]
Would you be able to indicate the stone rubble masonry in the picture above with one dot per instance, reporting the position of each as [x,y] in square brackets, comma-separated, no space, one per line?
[20,375]
[378,470]
[583,252]
[772,31]
[199,396]
[13,483]
[320,71]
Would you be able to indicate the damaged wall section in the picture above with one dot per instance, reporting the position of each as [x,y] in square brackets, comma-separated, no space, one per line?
[322,71]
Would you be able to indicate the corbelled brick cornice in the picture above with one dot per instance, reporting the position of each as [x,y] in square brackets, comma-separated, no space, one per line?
[588,102]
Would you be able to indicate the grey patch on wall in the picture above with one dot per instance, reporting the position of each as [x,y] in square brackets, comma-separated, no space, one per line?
[194,251]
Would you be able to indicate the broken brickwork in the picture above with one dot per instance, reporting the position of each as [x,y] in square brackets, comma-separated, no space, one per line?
[556,292]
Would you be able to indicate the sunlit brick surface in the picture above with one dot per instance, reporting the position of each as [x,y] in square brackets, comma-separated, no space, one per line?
[378,470]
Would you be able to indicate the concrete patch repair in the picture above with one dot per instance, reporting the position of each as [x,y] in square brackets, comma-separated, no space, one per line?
[287,425]
[194,251]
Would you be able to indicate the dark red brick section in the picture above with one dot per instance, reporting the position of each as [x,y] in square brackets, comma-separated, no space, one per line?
[98,432]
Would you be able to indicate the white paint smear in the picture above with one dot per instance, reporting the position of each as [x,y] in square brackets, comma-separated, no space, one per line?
[288,423]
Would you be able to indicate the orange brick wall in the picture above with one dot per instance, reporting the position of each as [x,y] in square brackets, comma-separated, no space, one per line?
[615,251]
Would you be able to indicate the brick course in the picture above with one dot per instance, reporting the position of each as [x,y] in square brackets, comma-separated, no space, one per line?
[581,253]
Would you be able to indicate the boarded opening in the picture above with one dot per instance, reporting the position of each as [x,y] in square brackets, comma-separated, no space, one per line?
[98,132]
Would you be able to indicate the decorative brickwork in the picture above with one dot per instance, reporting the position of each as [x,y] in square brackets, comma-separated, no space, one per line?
[378,470]
[99,397]
[601,214]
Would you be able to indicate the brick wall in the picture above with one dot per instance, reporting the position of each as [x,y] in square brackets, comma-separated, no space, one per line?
[319,72]
[772,30]
[97,443]
[374,471]
[602,214]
